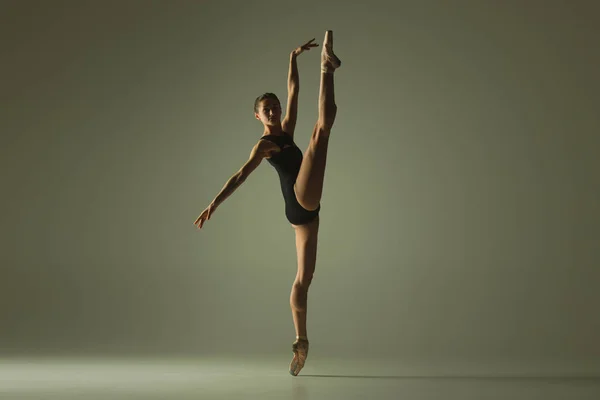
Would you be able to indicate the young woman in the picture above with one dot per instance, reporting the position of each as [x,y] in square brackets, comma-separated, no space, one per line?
[301,176]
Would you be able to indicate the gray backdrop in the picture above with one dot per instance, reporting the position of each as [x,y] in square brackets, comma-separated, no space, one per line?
[461,212]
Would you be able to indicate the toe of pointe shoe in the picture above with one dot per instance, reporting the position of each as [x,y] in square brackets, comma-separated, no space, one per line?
[293,371]
[296,366]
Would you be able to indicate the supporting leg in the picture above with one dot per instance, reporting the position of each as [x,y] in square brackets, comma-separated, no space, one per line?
[306,248]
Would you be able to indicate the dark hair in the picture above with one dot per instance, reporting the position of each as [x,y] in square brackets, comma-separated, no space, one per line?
[262,97]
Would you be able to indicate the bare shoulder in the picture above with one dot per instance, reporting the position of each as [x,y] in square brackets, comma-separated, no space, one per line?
[266,148]
[262,149]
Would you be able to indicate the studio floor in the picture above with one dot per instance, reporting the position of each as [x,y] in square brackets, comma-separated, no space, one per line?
[267,378]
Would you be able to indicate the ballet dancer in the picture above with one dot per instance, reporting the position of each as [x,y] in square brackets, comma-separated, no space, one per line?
[301,176]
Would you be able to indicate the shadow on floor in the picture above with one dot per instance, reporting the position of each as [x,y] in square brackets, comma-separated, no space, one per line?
[491,377]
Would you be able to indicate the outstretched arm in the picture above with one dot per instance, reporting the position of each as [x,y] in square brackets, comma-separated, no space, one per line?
[261,150]
[289,123]
[256,155]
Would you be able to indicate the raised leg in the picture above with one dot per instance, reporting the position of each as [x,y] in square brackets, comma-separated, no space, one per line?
[309,183]
[306,249]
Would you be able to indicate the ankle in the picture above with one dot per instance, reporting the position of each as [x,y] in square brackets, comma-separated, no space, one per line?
[301,338]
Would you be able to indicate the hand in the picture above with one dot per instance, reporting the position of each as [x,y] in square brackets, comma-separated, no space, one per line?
[205,215]
[305,47]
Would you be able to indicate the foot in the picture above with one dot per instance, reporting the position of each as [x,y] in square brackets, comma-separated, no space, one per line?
[300,349]
[329,61]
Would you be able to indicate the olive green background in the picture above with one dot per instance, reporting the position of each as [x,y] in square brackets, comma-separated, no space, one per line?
[460,221]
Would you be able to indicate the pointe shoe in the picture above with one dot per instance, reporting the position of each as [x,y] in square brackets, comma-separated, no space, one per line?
[300,349]
[329,61]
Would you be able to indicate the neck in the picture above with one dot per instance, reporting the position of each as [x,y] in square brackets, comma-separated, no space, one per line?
[273,130]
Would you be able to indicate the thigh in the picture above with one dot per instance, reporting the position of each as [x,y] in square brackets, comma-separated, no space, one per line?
[306,248]
[308,187]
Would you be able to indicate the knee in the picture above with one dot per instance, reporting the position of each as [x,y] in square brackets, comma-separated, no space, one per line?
[300,295]
[325,126]
[326,123]
[303,282]
[322,131]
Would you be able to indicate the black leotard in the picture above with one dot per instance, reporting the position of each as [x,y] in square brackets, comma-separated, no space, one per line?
[287,164]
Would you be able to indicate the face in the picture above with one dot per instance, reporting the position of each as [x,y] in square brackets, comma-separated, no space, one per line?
[269,112]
